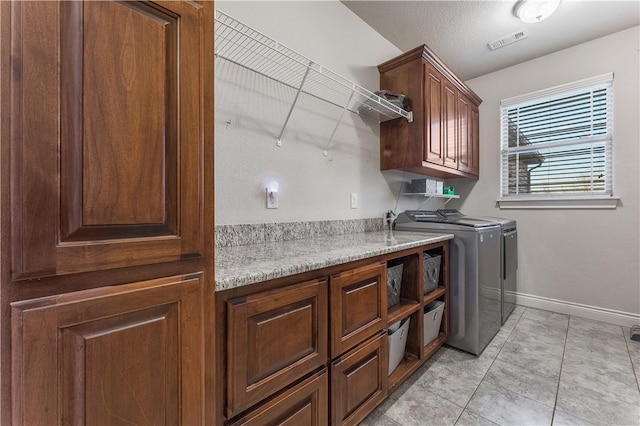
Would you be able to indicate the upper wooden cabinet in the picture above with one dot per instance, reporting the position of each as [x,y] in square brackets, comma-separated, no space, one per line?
[443,139]
[106,134]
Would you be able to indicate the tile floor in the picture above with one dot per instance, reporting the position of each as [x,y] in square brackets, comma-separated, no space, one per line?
[542,368]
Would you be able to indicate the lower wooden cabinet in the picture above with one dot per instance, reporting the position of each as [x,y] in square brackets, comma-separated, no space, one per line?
[273,339]
[358,305]
[316,352]
[127,354]
[359,381]
[303,405]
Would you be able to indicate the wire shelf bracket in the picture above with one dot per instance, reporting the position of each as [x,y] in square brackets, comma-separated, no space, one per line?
[248,48]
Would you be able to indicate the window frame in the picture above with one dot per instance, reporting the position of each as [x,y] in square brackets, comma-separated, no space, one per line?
[569,200]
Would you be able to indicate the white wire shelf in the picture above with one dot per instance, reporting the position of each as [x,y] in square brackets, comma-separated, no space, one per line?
[429,196]
[426,194]
[250,49]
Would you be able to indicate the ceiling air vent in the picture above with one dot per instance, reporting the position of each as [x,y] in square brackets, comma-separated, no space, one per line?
[508,39]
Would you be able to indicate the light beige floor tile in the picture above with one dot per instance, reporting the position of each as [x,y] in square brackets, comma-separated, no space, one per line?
[451,382]
[504,407]
[594,328]
[419,407]
[562,418]
[377,418]
[607,346]
[545,317]
[463,361]
[606,376]
[540,356]
[599,407]
[527,331]
[523,381]
[469,418]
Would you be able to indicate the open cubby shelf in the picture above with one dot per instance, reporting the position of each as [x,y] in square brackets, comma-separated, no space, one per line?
[434,295]
[406,367]
[412,303]
[403,309]
[433,346]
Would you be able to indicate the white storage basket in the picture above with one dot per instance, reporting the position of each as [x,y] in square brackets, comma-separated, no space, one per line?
[432,319]
[397,343]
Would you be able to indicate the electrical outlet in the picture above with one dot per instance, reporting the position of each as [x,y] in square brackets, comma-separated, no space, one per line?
[272,199]
[354,200]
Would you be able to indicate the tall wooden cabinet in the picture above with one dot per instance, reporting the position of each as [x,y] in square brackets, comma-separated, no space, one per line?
[443,139]
[106,289]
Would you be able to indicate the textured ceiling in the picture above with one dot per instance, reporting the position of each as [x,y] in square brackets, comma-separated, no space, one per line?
[458,31]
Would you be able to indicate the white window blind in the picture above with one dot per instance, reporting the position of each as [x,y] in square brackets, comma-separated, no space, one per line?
[558,142]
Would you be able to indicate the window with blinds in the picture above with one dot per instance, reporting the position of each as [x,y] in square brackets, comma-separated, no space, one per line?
[558,142]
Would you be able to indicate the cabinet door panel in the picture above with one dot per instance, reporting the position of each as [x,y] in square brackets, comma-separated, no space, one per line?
[85,356]
[359,381]
[273,339]
[465,141]
[101,148]
[358,305]
[434,139]
[474,143]
[450,125]
[304,404]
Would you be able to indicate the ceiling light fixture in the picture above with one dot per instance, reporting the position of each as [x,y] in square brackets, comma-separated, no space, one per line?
[531,11]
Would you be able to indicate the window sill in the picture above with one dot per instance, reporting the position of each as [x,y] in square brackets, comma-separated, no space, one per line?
[579,202]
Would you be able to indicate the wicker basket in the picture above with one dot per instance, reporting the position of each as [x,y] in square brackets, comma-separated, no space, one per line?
[394,281]
[431,272]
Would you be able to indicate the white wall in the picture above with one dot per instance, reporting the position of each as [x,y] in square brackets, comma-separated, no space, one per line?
[585,257]
[574,257]
[312,186]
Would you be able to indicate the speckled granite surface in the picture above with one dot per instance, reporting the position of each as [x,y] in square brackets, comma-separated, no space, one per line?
[236,235]
[237,266]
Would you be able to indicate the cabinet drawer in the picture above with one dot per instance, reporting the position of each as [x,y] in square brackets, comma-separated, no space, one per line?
[359,381]
[358,306]
[274,338]
[304,404]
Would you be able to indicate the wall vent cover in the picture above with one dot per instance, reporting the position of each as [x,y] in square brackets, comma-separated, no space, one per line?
[508,39]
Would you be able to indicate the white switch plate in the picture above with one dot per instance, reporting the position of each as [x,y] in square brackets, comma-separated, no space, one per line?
[272,199]
[354,200]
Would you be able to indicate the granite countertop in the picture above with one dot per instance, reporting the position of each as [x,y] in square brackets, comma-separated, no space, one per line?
[237,266]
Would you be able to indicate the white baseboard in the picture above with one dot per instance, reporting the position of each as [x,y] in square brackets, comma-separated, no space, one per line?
[611,316]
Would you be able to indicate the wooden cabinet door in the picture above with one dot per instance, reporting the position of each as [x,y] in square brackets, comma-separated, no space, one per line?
[305,404]
[106,135]
[450,123]
[114,355]
[274,338]
[473,144]
[433,136]
[358,305]
[465,142]
[359,381]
